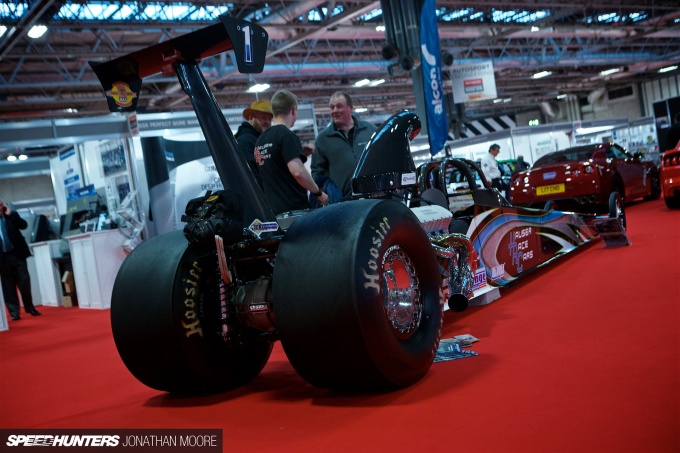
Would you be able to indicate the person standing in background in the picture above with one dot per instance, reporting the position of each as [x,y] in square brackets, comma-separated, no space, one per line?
[13,267]
[520,165]
[339,146]
[258,119]
[490,167]
[279,153]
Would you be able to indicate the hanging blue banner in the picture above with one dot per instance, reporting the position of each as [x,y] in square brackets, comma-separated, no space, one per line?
[437,130]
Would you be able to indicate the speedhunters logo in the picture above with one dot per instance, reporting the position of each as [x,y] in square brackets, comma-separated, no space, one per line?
[38,440]
[112,440]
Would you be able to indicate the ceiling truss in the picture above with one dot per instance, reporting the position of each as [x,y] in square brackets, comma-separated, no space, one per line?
[317,47]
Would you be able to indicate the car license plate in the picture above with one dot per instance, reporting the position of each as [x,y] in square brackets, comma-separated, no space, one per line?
[549,190]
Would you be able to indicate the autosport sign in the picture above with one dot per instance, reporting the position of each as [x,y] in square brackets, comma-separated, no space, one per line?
[473,82]
[128,440]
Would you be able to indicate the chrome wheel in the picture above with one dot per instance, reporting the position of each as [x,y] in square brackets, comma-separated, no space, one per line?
[401,292]
[617,209]
[377,305]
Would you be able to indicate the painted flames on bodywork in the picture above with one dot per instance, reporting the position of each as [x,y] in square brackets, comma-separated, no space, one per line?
[512,241]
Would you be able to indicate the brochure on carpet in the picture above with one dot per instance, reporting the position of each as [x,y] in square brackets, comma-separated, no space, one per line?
[451,348]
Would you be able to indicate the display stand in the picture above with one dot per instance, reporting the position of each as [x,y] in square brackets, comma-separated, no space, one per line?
[96,258]
[46,253]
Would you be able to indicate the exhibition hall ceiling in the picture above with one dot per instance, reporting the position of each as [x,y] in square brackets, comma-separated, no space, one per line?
[316,47]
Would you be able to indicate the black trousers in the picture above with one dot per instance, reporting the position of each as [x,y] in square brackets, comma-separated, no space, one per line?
[497,183]
[14,274]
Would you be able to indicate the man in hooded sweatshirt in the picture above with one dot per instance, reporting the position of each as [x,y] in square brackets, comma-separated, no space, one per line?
[258,118]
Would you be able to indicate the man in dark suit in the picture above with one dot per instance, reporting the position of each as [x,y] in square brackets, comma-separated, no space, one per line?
[13,268]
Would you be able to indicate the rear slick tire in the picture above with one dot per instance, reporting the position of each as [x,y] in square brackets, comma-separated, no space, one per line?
[358,298]
[164,317]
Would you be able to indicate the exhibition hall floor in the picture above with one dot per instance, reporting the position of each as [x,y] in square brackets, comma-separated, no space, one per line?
[582,356]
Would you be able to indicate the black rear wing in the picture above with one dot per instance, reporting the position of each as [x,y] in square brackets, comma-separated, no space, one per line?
[122,78]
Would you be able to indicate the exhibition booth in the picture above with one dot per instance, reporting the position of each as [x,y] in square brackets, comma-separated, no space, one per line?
[117,180]
[532,142]
[112,172]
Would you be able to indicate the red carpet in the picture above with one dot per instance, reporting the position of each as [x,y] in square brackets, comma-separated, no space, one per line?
[583,356]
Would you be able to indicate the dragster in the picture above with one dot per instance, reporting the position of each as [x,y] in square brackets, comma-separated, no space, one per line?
[354,291]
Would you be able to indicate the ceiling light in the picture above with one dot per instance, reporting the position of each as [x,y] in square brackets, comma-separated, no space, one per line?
[37,31]
[361,110]
[11,158]
[506,100]
[380,28]
[609,71]
[561,96]
[362,83]
[258,88]
[534,29]
[3,29]
[668,69]
[23,157]
[540,75]
[377,82]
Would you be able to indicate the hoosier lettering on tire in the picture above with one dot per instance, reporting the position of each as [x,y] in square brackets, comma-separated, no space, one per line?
[358,296]
[163,316]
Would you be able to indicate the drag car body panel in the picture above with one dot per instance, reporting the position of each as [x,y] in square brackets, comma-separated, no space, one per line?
[513,241]
[510,240]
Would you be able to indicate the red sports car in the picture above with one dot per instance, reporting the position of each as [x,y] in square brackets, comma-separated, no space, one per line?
[583,178]
[670,177]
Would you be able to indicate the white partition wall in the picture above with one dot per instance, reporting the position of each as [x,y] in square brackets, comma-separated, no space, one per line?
[49,279]
[96,258]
